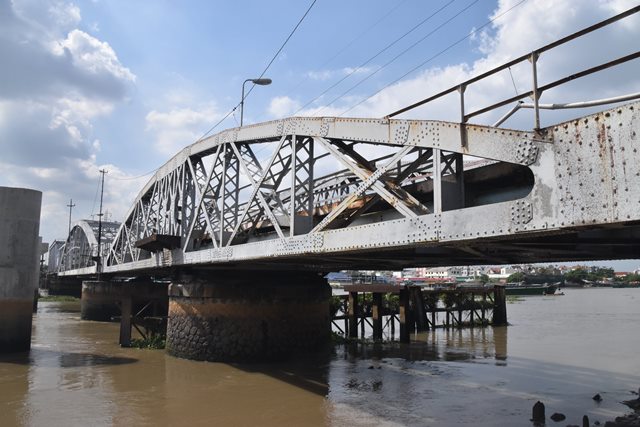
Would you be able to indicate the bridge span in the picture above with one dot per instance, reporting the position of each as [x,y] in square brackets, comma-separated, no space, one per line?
[388,193]
[243,223]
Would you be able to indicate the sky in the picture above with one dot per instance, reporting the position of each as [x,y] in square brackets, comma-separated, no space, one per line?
[123,86]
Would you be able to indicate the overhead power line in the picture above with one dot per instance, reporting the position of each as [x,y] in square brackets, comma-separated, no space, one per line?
[430,33]
[380,52]
[263,72]
[422,64]
[350,43]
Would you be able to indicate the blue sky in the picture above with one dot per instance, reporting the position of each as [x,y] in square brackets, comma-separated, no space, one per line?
[125,85]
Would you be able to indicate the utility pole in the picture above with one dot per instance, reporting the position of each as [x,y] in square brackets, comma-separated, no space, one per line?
[70,206]
[99,260]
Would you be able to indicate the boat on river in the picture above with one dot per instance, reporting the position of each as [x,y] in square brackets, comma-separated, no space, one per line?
[530,289]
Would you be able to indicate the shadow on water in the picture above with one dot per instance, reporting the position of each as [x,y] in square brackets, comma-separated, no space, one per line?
[55,359]
[310,373]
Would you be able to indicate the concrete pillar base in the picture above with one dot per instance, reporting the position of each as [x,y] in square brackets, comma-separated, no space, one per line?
[248,316]
[15,324]
[101,299]
[19,254]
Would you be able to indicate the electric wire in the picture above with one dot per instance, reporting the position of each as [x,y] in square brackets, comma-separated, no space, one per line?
[261,75]
[430,33]
[230,112]
[349,44]
[451,46]
[380,52]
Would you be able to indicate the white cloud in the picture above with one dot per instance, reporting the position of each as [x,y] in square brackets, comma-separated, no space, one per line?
[55,81]
[282,106]
[179,127]
[320,75]
[93,55]
[526,27]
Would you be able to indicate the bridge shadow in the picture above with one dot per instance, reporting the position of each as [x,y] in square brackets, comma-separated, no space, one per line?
[54,359]
[308,372]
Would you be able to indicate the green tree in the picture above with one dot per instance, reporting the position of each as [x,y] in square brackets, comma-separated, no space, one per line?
[516,277]
[576,275]
[483,279]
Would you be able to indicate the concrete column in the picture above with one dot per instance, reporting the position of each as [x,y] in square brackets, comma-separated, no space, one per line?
[247,316]
[101,300]
[19,254]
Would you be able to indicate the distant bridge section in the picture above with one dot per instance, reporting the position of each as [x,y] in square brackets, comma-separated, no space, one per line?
[81,249]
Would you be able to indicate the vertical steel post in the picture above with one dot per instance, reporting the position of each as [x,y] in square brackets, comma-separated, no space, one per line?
[223,192]
[292,198]
[437,181]
[310,187]
[463,119]
[536,94]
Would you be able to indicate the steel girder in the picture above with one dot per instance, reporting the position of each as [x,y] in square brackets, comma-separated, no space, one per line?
[313,195]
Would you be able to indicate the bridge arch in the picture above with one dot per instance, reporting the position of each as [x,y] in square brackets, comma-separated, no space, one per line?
[81,246]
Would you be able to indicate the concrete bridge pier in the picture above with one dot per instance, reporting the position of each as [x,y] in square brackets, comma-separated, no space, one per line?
[19,255]
[102,299]
[247,316]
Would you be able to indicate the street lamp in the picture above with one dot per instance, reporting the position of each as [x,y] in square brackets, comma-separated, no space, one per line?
[261,82]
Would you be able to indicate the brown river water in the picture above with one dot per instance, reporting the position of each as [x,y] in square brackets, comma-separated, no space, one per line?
[561,350]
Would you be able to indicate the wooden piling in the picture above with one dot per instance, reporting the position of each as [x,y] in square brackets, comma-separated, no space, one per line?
[405,316]
[499,306]
[376,314]
[418,303]
[125,317]
[353,314]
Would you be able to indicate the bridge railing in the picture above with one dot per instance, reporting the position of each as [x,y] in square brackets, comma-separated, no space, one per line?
[536,90]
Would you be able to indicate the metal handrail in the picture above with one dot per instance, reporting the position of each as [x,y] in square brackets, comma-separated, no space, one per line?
[536,90]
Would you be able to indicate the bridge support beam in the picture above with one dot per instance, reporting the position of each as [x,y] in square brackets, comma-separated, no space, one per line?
[59,285]
[19,254]
[102,300]
[247,316]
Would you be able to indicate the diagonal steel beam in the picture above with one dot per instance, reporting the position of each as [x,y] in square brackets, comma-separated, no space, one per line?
[367,182]
[265,205]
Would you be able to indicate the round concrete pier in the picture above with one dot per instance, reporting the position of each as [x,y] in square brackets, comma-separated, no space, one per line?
[100,300]
[248,316]
[19,254]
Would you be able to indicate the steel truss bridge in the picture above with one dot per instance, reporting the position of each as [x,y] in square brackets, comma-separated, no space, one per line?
[80,250]
[329,193]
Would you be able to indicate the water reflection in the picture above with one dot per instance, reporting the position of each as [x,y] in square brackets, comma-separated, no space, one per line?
[58,359]
[449,345]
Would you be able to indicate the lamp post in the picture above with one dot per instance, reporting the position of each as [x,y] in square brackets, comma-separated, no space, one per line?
[261,82]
